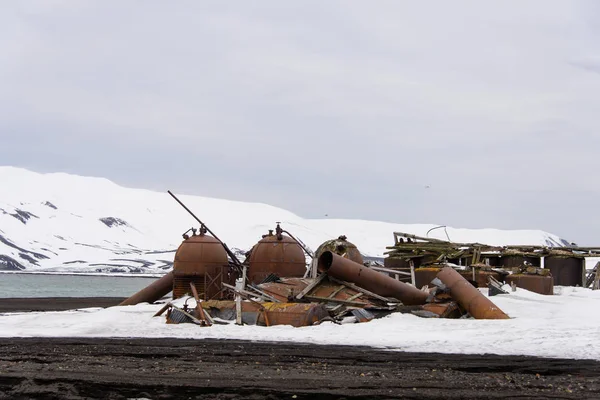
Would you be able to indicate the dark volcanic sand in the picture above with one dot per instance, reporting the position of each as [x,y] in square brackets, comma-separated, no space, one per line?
[56,303]
[69,368]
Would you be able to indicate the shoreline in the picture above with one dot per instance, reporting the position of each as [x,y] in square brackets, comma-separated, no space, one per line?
[72,273]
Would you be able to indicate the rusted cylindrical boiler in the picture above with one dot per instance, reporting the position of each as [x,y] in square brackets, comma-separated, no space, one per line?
[341,268]
[276,254]
[469,297]
[566,271]
[202,260]
[342,247]
[152,292]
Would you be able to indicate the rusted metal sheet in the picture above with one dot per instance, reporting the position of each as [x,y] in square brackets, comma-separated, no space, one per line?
[152,292]
[270,314]
[340,292]
[276,254]
[481,277]
[341,246]
[286,289]
[443,310]
[424,276]
[469,297]
[201,260]
[376,282]
[566,271]
[534,283]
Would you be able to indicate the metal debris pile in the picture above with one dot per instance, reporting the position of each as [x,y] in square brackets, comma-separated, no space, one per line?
[277,285]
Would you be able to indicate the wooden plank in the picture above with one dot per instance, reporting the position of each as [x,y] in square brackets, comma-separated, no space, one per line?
[264,297]
[196,320]
[359,289]
[328,300]
[390,271]
[200,309]
[268,296]
[336,291]
[354,297]
[162,310]
[195,292]
[311,286]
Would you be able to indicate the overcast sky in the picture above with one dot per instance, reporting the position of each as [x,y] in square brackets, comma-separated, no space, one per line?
[465,113]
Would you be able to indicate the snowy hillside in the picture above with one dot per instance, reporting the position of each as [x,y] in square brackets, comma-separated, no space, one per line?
[60,222]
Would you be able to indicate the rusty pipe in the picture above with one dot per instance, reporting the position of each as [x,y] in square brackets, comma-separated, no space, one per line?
[343,269]
[469,297]
[152,292]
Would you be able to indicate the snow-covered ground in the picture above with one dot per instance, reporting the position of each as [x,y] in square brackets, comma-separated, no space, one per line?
[565,325]
[60,222]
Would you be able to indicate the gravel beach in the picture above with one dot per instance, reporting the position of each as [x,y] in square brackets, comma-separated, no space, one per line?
[80,368]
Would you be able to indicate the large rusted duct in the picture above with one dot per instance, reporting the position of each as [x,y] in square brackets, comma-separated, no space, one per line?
[341,268]
[152,292]
[468,296]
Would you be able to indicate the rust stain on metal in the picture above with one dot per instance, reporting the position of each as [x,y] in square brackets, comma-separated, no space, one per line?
[481,276]
[376,282]
[201,260]
[286,288]
[534,283]
[342,247]
[444,310]
[276,254]
[270,314]
[469,297]
[424,276]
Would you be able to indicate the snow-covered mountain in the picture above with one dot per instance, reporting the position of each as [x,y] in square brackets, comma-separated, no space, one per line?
[59,222]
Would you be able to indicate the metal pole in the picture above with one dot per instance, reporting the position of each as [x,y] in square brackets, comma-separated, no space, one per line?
[229,252]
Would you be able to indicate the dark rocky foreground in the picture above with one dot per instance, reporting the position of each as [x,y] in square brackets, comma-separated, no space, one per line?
[56,303]
[65,368]
[75,368]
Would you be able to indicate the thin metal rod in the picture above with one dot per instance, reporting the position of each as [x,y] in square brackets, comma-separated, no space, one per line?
[229,252]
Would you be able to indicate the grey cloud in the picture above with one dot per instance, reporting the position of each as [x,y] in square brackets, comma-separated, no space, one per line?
[337,108]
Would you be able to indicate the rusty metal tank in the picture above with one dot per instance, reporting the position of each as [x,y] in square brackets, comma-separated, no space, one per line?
[534,283]
[566,271]
[200,259]
[276,254]
[342,247]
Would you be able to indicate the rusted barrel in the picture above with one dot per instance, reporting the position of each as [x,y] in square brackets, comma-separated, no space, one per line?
[152,292]
[341,268]
[469,297]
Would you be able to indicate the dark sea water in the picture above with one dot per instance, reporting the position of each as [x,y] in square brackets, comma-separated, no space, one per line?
[41,285]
